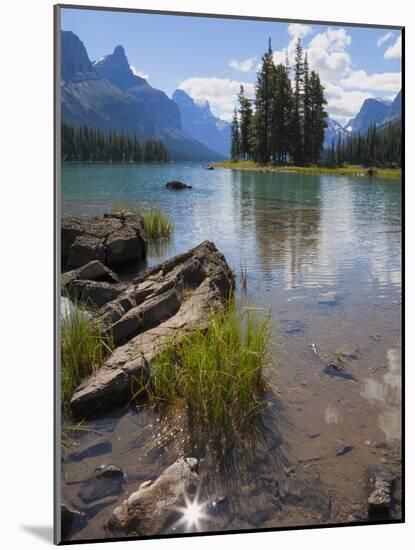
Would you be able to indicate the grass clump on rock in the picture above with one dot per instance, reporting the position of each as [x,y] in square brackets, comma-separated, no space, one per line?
[216,376]
[156,222]
[84,347]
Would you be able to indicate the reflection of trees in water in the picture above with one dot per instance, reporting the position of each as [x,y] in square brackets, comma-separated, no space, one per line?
[284,214]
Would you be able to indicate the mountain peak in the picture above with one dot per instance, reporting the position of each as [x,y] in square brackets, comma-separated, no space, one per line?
[116,68]
[119,52]
[75,60]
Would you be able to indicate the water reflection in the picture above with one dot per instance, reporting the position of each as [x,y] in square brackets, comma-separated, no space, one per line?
[387,393]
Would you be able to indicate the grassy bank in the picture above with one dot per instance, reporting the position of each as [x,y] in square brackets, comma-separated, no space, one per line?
[83,349]
[216,378]
[346,170]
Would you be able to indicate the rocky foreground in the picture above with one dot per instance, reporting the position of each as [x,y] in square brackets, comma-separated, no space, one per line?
[114,239]
[142,316]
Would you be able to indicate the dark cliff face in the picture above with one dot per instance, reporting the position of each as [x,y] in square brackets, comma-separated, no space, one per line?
[158,107]
[200,123]
[75,61]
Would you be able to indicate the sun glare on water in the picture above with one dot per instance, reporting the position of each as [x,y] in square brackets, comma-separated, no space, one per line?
[192,513]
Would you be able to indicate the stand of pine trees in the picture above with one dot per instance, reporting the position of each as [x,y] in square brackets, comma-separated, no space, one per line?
[289,117]
[88,144]
[380,147]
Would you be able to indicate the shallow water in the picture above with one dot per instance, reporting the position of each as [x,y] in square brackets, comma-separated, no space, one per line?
[323,254]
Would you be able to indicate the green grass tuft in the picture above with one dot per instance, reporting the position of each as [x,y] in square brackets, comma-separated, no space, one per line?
[156,223]
[216,377]
[84,347]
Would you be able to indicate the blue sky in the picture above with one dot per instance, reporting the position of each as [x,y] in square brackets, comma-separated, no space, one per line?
[209,58]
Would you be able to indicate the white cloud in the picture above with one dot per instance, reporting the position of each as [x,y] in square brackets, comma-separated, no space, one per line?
[299,30]
[220,92]
[326,53]
[243,66]
[360,80]
[384,38]
[395,50]
[328,56]
[139,73]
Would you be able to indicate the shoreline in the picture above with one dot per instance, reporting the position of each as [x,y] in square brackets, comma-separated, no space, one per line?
[349,170]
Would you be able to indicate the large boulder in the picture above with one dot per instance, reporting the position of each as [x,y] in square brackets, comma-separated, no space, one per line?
[114,239]
[152,509]
[168,301]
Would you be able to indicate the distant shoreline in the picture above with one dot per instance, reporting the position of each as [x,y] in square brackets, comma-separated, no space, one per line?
[348,170]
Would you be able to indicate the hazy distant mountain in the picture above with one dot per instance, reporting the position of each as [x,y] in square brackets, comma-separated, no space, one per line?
[199,122]
[373,111]
[395,110]
[332,132]
[108,95]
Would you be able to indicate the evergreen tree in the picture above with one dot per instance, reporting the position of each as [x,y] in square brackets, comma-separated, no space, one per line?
[245,125]
[235,149]
[263,104]
[297,143]
[317,118]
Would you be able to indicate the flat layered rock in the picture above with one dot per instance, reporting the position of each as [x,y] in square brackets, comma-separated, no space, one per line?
[113,239]
[152,509]
[166,302]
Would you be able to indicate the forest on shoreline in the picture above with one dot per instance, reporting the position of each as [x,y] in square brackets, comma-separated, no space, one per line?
[89,145]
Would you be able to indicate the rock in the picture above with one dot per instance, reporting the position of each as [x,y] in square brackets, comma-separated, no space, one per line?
[69,310]
[209,167]
[108,470]
[94,294]
[328,298]
[68,516]
[314,435]
[177,185]
[380,498]
[344,450]
[84,249]
[96,449]
[151,509]
[92,271]
[123,247]
[113,239]
[107,481]
[147,315]
[305,494]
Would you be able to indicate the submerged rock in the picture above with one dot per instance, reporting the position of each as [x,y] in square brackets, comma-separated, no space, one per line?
[151,509]
[68,516]
[177,185]
[380,498]
[106,481]
[113,239]
[96,449]
[167,301]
